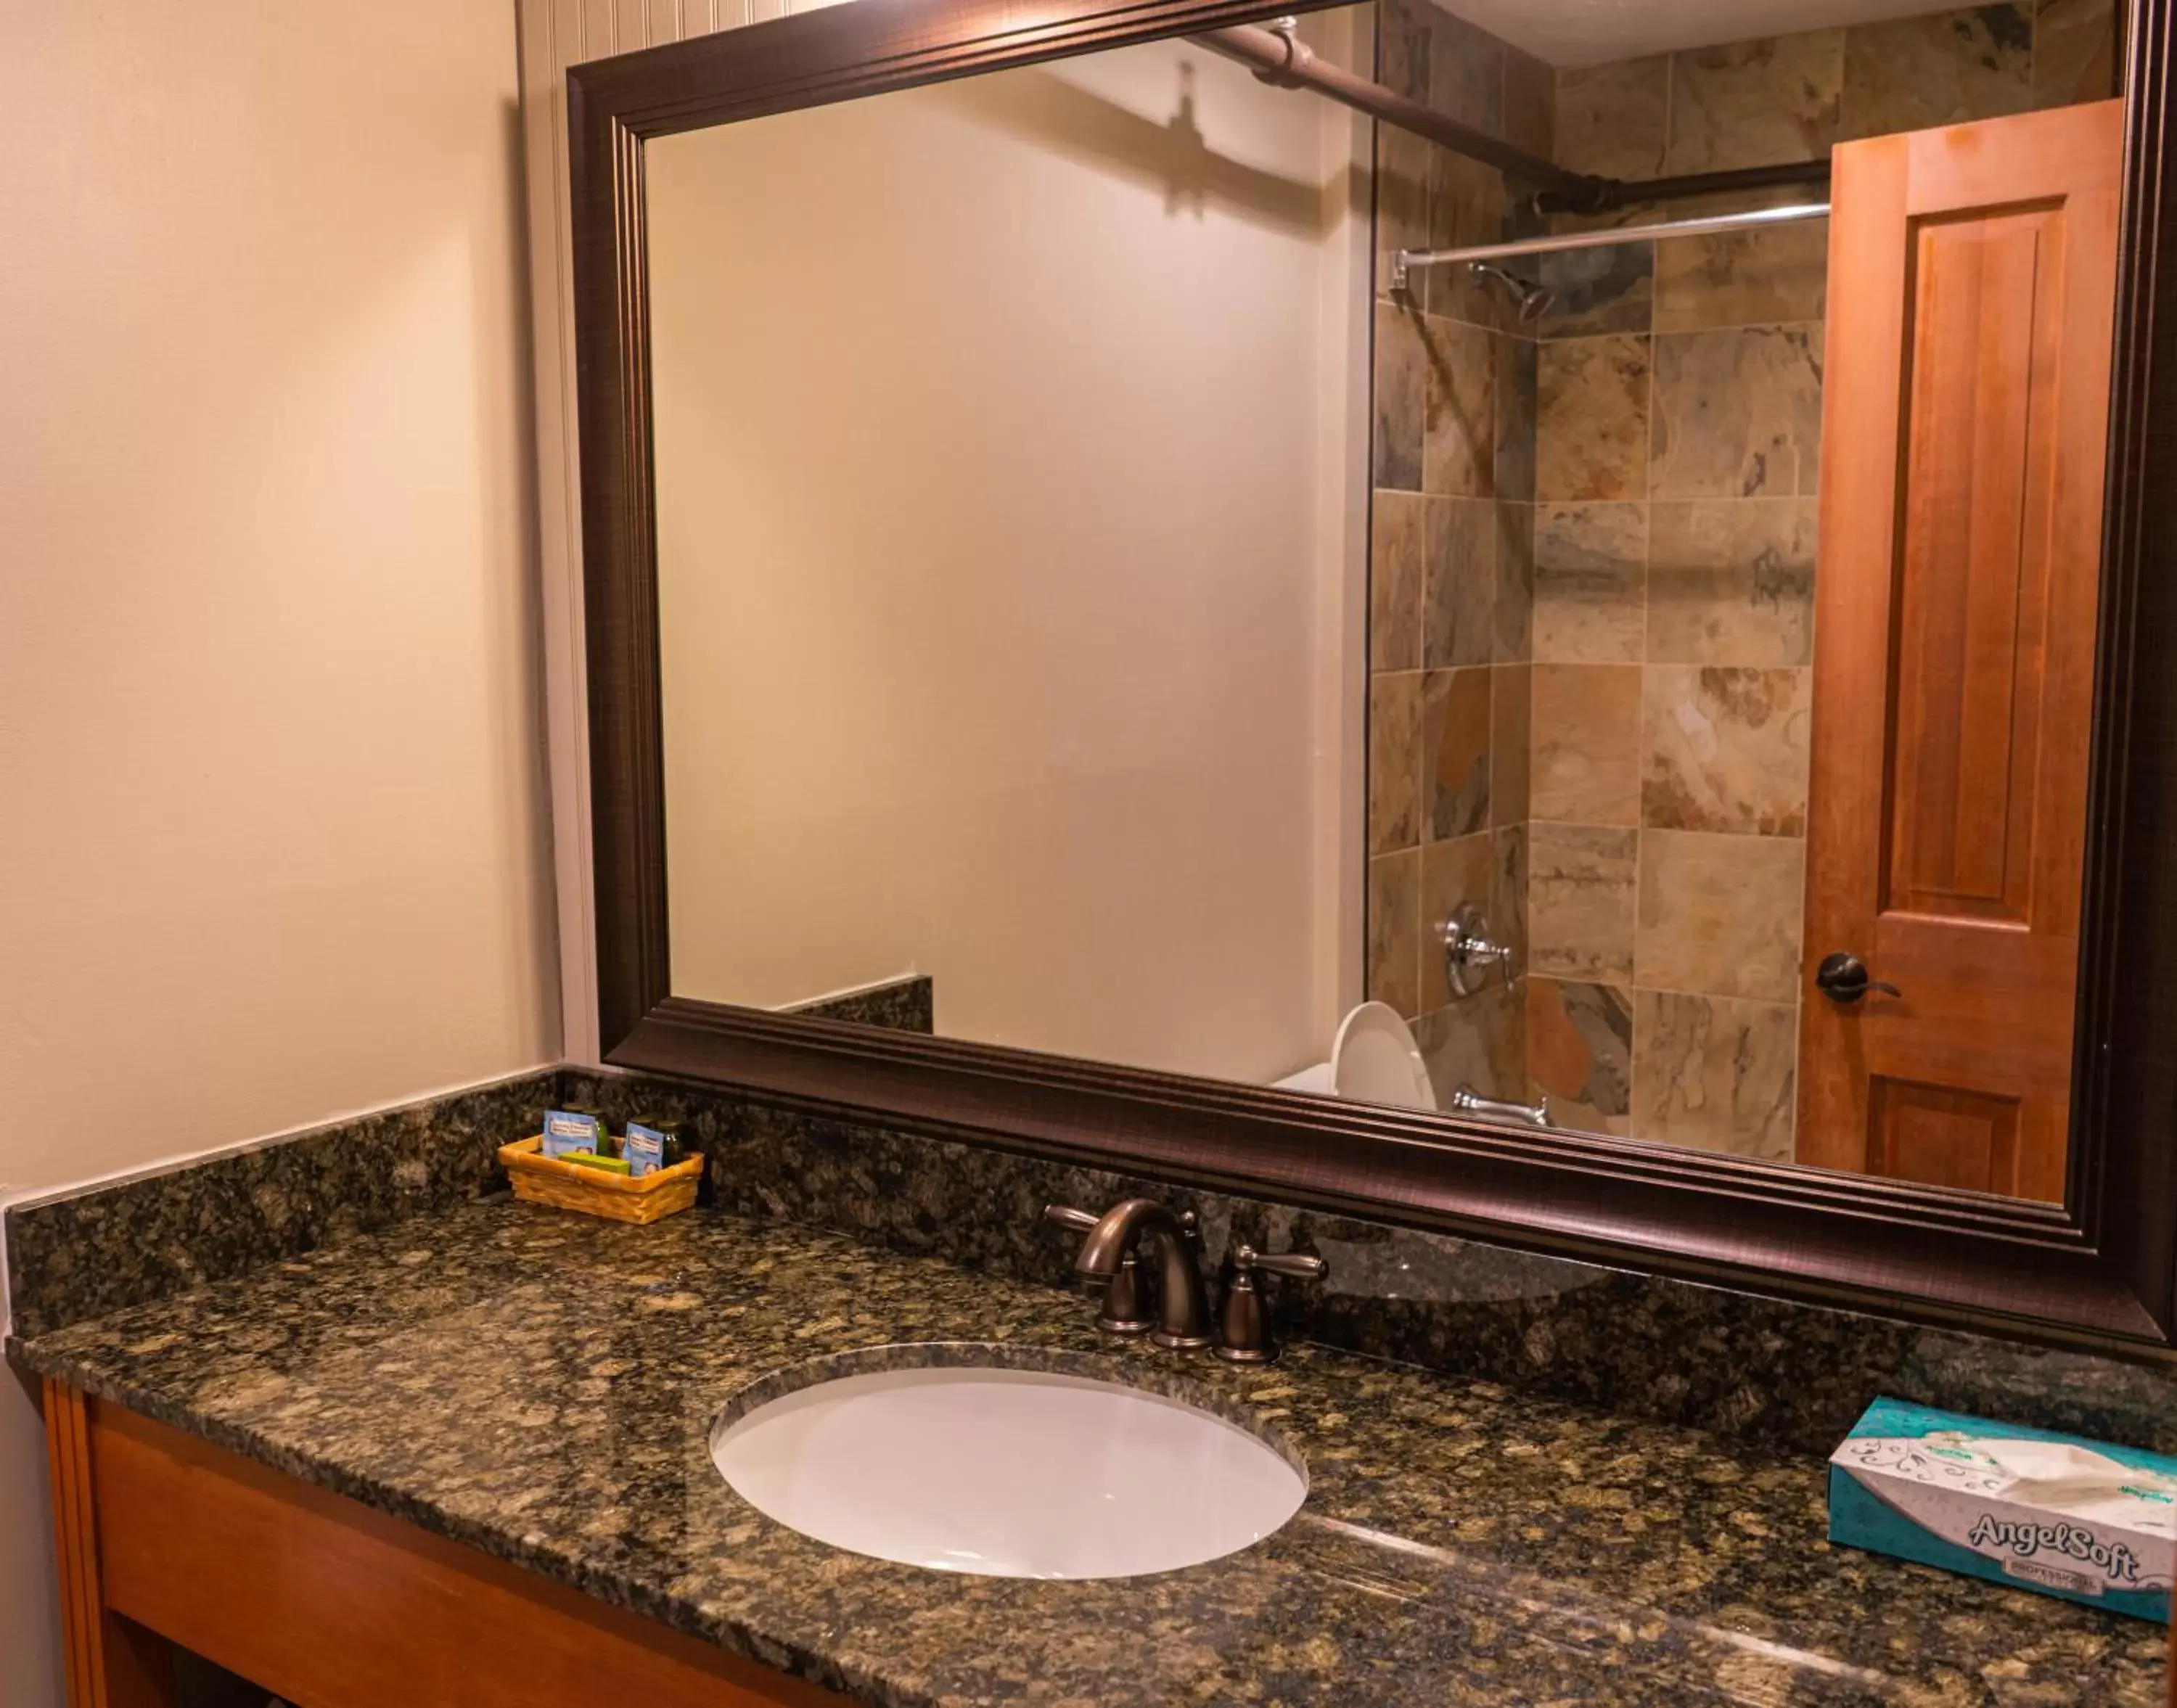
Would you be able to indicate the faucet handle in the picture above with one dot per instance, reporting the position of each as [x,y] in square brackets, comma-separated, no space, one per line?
[1123,1311]
[1247,1326]
[1301,1264]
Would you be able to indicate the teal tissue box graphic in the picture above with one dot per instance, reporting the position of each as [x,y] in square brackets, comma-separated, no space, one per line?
[2031,1507]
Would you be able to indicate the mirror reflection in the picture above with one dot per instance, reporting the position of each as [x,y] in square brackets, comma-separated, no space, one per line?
[1527,566]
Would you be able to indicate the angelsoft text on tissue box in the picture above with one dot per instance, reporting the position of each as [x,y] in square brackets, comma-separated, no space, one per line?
[2057,1514]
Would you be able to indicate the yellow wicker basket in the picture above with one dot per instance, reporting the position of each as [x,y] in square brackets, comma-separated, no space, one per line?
[547,1179]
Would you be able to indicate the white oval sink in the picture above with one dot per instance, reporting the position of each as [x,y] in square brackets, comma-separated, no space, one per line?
[1007,1473]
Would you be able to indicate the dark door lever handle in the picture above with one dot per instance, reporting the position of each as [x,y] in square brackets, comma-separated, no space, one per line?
[1843,978]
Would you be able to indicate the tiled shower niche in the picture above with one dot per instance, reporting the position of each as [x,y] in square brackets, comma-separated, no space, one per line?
[1594,555]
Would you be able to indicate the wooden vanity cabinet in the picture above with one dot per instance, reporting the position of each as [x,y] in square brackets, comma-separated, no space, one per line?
[163,1539]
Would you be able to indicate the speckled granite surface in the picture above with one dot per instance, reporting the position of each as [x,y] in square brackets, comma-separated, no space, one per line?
[1462,1543]
[901,1005]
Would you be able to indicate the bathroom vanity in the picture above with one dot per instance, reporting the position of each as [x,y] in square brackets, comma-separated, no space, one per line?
[469,1461]
[1115,591]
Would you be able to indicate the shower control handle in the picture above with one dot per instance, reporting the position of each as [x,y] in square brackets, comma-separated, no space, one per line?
[1469,953]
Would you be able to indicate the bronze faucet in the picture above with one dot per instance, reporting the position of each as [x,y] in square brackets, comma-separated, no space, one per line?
[1182,1305]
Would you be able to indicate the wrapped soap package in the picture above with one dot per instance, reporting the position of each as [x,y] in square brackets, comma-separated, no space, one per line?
[2030,1507]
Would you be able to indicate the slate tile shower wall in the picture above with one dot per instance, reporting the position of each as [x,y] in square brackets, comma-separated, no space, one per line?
[1679,402]
[1593,559]
[1451,553]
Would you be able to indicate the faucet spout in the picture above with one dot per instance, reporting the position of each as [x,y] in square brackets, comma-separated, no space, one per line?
[1114,1233]
[1182,1305]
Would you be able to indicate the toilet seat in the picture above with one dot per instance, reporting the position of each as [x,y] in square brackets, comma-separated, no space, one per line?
[1375,1059]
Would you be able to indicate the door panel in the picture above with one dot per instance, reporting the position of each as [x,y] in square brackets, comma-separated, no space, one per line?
[1972,297]
[1942,1137]
[1981,334]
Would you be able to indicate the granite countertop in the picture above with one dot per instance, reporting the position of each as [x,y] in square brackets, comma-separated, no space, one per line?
[542,1386]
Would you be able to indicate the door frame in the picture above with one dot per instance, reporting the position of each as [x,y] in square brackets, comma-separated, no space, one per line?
[2099,1270]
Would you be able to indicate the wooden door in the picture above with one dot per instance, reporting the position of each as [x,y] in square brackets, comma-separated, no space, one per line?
[1972,286]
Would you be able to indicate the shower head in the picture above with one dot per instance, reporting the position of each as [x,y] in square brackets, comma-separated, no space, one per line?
[1533,299]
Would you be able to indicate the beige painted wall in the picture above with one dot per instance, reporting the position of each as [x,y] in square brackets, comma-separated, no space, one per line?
[1004,639]
[272,838]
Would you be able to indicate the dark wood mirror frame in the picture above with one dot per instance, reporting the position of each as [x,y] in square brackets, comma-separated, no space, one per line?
[2101,1269]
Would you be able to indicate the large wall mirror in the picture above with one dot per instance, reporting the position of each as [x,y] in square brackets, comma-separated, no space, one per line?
[1010,502]
[1466,610]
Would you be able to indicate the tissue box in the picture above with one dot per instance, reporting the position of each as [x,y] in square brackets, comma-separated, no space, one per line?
[2030,1507]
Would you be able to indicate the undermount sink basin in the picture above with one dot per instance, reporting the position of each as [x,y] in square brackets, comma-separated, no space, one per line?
[1007,1473]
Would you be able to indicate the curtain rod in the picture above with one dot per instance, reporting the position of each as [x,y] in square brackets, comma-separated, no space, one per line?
[1603,239]
[1279,57]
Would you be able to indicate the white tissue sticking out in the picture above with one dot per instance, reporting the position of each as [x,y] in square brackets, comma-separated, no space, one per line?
[2057,1475]
[2050,1476]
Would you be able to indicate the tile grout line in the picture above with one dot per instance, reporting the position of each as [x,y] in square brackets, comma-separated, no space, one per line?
[1633,1053]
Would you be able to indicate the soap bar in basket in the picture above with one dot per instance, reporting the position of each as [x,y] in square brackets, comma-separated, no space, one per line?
[623,1198]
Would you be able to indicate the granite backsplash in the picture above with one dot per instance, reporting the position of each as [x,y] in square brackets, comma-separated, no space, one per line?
[80,1254]
[907,1004]
[1792,1374]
